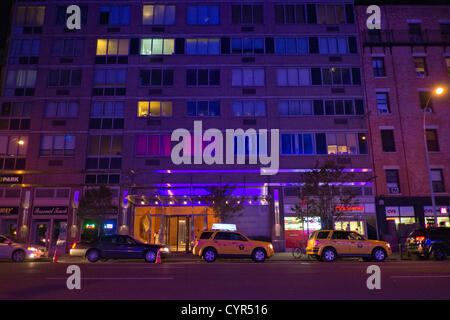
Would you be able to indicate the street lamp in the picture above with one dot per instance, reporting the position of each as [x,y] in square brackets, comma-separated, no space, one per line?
[438,91]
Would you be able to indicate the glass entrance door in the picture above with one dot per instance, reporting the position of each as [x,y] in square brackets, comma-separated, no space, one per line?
[178,233]
[41,234]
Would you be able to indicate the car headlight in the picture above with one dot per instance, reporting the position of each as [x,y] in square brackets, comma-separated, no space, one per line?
[165,249]
[388,245]
[271,246]
[33,249]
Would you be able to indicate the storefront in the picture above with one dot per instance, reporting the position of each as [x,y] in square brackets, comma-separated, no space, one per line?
[175,226]
[443,219]
[401,215]
[8,220]
[49,227]
[360,219]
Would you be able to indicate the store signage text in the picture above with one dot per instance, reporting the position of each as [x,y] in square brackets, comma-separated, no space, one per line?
[50,210]
[9,210]
[10,179]
[342,208]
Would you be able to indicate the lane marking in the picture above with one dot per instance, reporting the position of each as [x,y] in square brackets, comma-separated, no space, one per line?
[443,276]
[113,278]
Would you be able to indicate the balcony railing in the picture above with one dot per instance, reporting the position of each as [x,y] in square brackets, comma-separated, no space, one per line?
[404,37]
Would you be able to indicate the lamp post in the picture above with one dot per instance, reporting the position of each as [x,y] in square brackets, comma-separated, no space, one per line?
[438,91]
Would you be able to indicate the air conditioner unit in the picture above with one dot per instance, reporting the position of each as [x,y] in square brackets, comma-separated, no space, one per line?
[393,190]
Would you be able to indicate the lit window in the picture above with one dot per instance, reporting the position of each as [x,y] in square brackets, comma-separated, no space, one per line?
[157,46]
[154,108]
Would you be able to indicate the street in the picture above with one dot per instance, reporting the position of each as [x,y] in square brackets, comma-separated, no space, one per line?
[226,280]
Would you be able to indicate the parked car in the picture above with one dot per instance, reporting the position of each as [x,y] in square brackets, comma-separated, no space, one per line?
[117,247]
[327,245]
[429,242]
[213,244]
[18,251]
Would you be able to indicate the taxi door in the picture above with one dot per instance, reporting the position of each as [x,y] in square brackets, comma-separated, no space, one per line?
[360,245]
[342,243]
[241,245]
[223,243]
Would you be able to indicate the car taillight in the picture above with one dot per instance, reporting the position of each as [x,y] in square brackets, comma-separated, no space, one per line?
[74,245]
[197,243]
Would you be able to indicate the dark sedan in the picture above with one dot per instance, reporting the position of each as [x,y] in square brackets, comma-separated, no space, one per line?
[117,247]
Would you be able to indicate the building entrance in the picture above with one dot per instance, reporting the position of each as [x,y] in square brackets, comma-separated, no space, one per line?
[175,227]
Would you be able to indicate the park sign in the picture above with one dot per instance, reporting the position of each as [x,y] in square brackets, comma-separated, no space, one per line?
[10,179]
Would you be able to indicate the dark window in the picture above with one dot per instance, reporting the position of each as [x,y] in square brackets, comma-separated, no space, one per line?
[420,67]
[382,103]
[437,180]
[205,235]
[237,237]
[362,143]
[378,67]
[432,140]
[223,236]
[415,32]
[322,234]
[392,181]
[340,235]
[387,140]
[425,100]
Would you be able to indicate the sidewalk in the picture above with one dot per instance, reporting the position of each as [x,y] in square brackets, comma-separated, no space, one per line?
[188,257]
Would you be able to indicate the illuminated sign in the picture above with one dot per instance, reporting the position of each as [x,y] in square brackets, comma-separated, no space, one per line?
[108,226]
[224,226]
[50,210]
[9,210]
[90,226]
[342,208]
[10,179]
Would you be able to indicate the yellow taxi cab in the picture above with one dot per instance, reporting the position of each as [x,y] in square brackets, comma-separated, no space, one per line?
[230,244]
[327,245]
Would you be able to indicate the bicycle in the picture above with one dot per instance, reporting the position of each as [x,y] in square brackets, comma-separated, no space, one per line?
[299,251]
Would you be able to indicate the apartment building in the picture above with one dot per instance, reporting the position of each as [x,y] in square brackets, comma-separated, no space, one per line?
[97,106]
[403,64]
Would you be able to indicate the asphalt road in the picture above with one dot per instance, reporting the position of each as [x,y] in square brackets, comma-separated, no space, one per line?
[235,280]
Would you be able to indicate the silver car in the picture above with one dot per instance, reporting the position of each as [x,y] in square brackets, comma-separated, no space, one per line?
[11,248]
